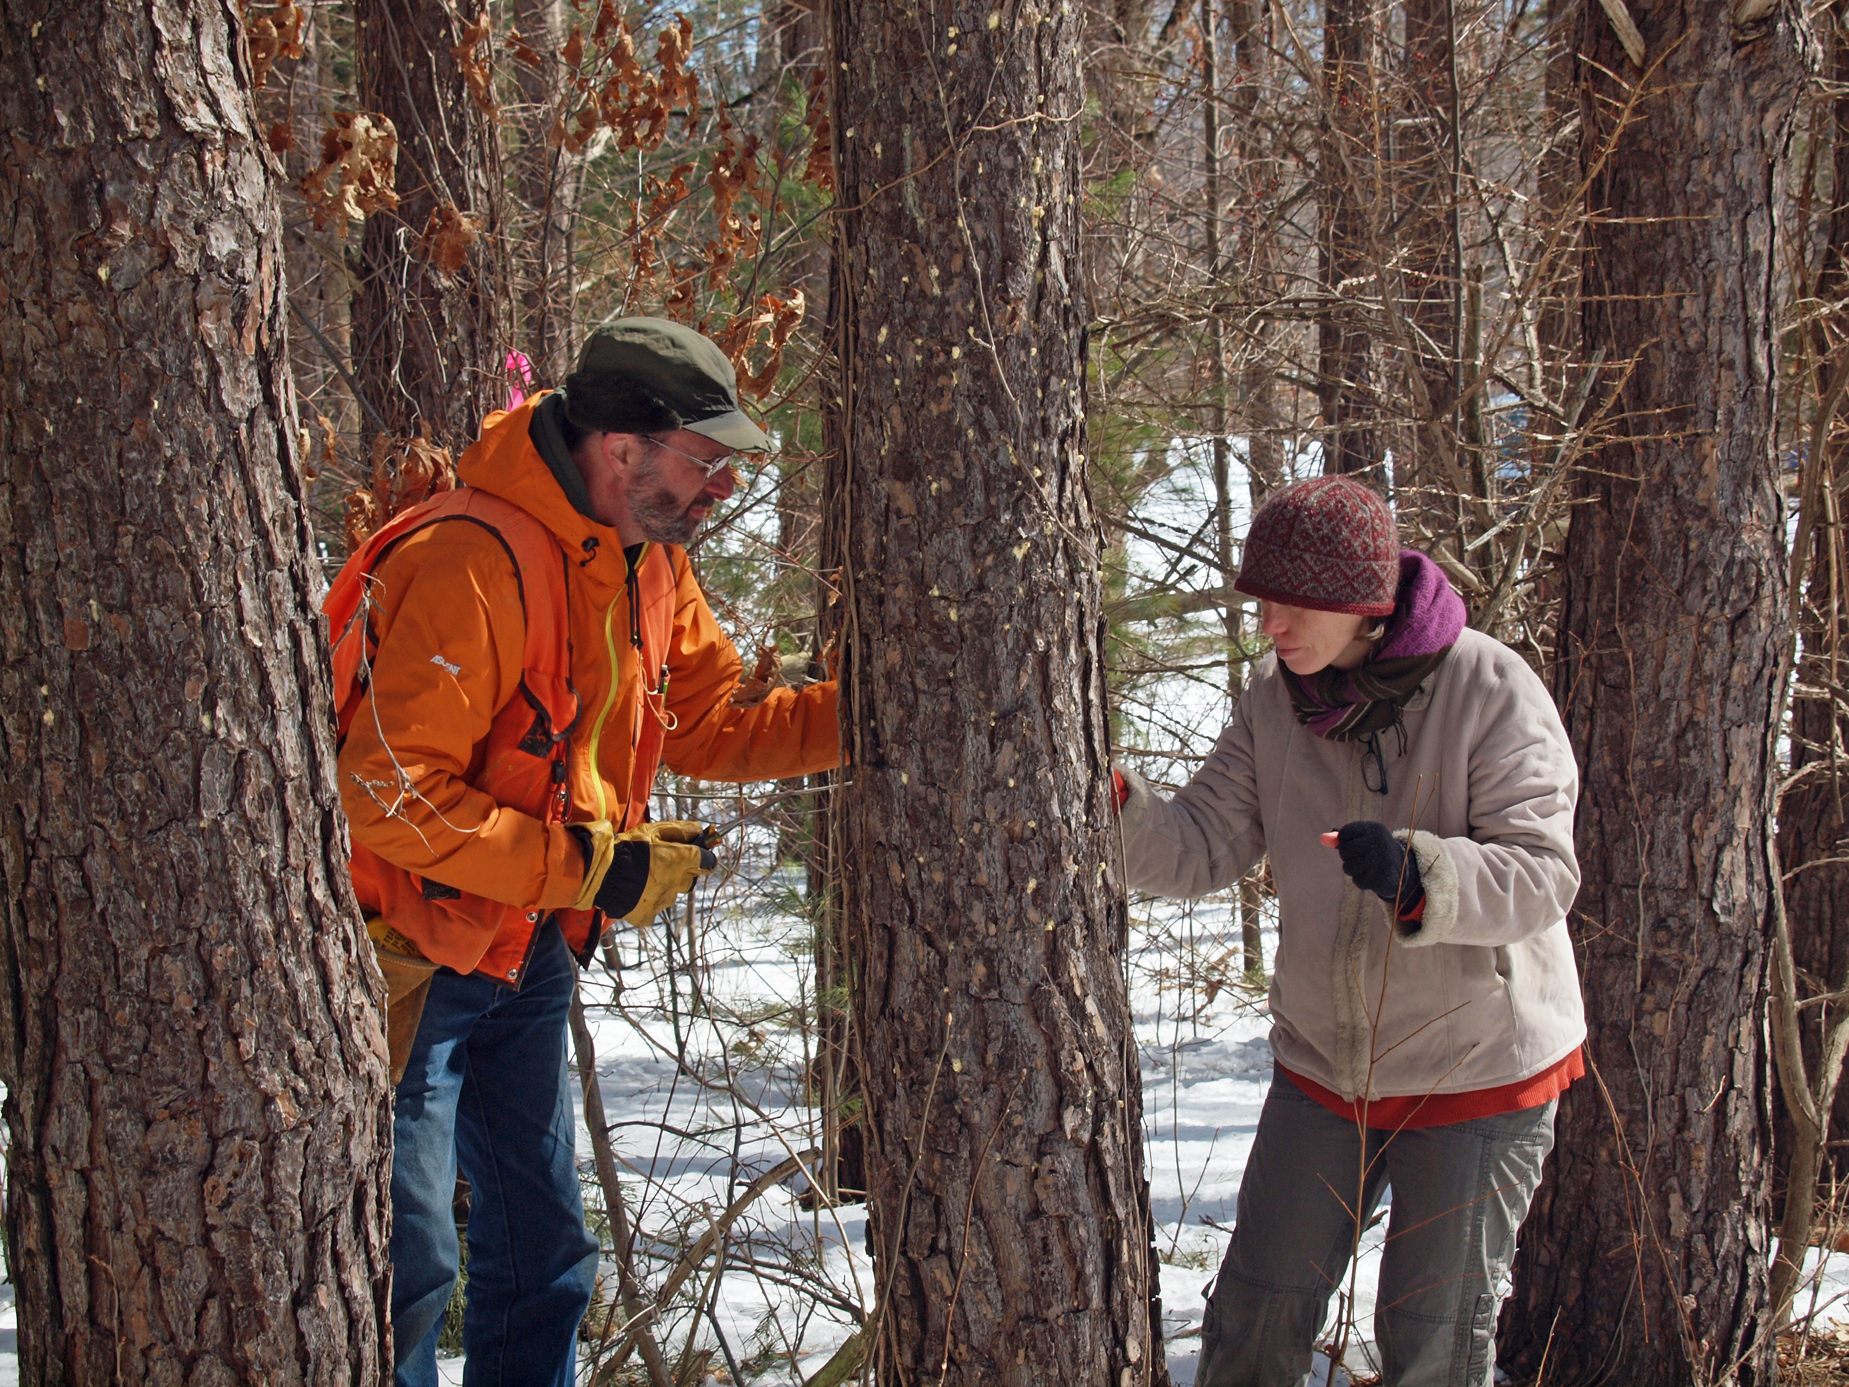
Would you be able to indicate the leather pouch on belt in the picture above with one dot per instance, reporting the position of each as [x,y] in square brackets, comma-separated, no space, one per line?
[407,984]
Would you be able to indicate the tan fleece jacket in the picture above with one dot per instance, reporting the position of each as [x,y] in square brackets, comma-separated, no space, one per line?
[1484,990]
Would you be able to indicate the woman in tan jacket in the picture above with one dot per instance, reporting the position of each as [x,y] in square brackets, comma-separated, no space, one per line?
[1412,785]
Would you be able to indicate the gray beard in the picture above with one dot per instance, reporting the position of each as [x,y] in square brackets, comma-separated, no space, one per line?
[656,511]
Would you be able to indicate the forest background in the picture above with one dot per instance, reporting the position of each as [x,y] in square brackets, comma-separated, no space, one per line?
[1566,280]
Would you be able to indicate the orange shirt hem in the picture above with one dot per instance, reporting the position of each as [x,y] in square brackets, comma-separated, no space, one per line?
[1442,1109]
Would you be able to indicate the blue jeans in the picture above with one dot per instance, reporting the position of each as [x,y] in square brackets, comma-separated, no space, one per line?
[1460,1192]
[487,1090]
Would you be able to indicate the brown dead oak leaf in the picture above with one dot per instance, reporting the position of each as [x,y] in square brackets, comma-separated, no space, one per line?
[634,103]
[740,336]
[475,69]
[768,675]
[682,300]
[360,519]
[359,163]
[775,670]
[448,237]
[735,170]
[523,51]
[277,34]
[405,472]
[330,447]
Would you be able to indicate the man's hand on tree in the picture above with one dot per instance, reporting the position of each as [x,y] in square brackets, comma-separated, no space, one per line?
[636,874]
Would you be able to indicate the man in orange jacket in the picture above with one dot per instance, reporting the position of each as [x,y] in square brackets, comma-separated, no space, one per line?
[526,652]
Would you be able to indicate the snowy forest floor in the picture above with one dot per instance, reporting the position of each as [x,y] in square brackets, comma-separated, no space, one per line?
[702,1089]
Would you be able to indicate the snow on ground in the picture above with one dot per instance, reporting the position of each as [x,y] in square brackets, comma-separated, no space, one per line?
[9,1338]
[1206,1066]
[797,1278]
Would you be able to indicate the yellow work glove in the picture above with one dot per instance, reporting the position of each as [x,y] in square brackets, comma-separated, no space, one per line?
[636,874]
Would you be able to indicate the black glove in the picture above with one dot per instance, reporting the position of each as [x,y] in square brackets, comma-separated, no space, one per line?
[1379,862]
[650,866]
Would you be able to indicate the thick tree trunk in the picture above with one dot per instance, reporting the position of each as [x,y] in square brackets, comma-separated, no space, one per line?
[1812,822]
[1346,153]
[1645,1258]
[197,1107]
[1009,1217]
[428,343]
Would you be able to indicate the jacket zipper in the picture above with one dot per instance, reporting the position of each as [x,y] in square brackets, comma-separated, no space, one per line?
[609,616]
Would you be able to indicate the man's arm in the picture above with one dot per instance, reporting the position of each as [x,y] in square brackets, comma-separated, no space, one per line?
[792,732]
[451,632]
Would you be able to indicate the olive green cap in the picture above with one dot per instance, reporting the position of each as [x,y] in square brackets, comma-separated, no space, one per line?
[683,370]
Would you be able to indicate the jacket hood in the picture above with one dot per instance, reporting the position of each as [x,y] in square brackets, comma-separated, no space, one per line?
[505,461]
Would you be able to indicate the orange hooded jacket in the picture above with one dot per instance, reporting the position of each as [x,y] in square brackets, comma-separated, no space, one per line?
[449,622]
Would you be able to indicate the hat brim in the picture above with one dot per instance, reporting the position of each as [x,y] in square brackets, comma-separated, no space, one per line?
[733,429]
[1266,593]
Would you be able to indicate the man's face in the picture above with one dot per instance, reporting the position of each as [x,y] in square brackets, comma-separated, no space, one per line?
[669,493]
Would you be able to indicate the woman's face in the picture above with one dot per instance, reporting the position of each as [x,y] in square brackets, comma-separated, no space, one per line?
[1308,641]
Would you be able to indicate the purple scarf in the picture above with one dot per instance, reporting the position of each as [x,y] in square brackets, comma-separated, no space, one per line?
[1348,705]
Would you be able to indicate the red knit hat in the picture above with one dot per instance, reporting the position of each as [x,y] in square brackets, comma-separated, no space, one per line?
[1329,544]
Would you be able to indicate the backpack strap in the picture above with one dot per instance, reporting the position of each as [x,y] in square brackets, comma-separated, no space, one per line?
[540,575]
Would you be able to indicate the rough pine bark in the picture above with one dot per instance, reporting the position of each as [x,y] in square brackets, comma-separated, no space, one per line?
[1645,1258]
[984,912]
[1812,824]
[549,178]
[197,1108]
[428,344]
[1430,284]
[1345,151]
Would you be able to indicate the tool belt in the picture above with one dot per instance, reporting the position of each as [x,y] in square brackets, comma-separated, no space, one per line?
[407,985]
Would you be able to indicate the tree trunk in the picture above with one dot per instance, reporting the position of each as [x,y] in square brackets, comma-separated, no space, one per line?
[1812,824]
[1645,1258]
[1430,286]
[1250,23]
[1557,181]
[1351,430]
[985,919]
[549,179]
[426,341]
[1119,82]
[197,1107]
[1218,376]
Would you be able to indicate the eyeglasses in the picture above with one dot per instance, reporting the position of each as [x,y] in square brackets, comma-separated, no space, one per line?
[709,467]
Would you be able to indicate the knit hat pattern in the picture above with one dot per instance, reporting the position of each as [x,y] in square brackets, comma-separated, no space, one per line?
[1329,544]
